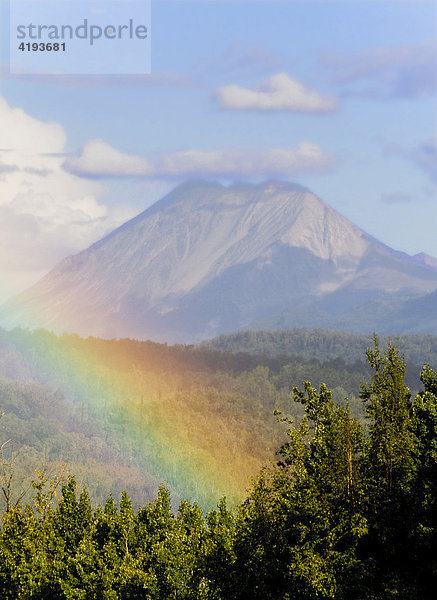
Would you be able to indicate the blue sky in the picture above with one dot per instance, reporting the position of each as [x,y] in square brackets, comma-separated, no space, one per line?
[337,96]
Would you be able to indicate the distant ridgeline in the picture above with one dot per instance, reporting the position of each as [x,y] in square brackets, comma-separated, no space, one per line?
[322,345]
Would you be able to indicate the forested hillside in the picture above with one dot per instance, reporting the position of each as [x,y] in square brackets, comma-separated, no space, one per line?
[322,345]
[41,429]
[347,512]
[200,420]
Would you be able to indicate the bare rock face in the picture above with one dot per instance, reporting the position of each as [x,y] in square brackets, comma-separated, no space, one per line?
[208,259]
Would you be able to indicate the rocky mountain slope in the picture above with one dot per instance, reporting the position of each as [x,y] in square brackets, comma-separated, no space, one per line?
[208,259]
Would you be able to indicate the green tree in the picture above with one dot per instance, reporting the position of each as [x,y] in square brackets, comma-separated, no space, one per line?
[388,404]
[298,530]
[423,536]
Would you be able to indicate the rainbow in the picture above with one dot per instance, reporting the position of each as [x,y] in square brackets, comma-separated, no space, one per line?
[166,428]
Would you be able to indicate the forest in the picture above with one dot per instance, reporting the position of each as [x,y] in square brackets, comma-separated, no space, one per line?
[198,419]
[321,345]
[346,510]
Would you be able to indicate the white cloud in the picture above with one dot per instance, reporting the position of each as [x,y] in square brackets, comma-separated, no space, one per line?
[21,135]
[45,212]
[100,159]
[279,92]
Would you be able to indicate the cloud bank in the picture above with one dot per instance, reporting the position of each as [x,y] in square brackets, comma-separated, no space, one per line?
[45,212]
[98,159]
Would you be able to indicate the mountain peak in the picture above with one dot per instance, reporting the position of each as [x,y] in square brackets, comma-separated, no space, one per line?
[427,260]
[209,258]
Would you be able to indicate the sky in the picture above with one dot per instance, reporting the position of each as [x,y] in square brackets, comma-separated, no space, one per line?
[339,97]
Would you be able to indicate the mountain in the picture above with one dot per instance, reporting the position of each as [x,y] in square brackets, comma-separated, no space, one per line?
[208,259]
[427,260]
